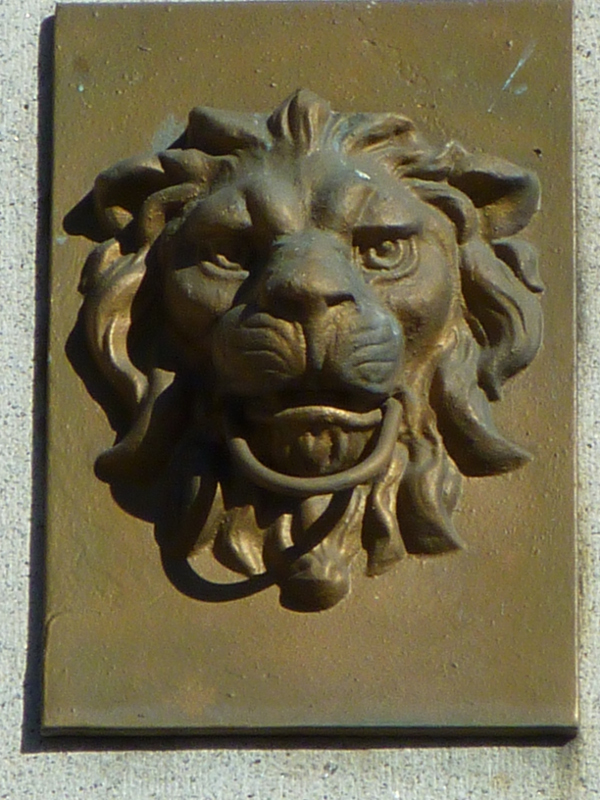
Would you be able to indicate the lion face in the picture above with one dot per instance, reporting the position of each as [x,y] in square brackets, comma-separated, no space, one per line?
[314,293]
[308,314]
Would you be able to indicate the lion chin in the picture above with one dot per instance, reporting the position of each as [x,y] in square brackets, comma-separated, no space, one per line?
[306,315]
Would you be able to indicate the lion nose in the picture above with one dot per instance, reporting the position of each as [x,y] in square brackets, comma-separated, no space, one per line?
[308,273]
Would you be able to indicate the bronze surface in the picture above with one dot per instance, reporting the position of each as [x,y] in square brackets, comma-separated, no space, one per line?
[305,317]
[481,638]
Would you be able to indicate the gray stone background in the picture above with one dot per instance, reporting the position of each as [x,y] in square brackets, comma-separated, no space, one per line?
[186,769]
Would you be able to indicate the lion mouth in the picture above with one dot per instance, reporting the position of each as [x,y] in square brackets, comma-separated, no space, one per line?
[310,440]
[313,449]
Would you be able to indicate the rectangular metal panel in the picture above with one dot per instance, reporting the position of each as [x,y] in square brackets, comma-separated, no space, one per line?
[479,640]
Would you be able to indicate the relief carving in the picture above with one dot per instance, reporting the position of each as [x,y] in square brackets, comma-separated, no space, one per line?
[305,316]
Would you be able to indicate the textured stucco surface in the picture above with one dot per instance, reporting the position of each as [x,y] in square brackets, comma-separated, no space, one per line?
[188,769]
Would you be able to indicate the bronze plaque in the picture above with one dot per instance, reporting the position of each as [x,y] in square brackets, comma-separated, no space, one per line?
[311,370]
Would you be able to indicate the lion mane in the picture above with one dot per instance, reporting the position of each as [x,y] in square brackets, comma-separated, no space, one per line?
[304,534]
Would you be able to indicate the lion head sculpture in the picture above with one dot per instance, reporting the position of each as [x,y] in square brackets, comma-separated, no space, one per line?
[306,315]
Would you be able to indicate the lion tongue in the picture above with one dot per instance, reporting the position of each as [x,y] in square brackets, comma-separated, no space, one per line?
[317,450]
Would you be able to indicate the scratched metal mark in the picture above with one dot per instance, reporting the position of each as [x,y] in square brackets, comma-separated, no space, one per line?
[526,55]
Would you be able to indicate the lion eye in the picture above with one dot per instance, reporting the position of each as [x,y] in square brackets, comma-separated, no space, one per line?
[222,261]
[395,256]
[386,255]
[226,263]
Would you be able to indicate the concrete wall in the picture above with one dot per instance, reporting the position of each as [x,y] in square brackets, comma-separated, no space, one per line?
[196,768]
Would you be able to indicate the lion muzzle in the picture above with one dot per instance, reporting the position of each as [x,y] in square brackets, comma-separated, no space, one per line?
[311,357]
[311,321]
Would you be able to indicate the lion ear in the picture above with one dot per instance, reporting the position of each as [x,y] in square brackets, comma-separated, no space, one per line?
[507,196]
[149,190]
